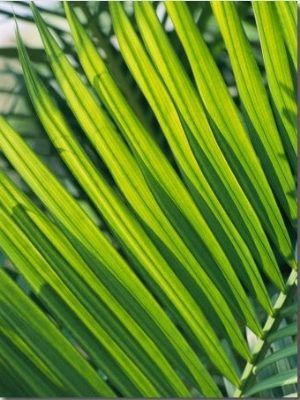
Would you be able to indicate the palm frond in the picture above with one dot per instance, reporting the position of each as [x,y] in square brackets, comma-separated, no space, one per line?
[173,274]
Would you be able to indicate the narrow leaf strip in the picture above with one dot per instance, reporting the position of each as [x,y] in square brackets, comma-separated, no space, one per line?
[279,380]
[116,214]
[279,75]
[191,109]
[285,352]
[287,14]
[262,125]
[15,367]
[43,273]
[160,177]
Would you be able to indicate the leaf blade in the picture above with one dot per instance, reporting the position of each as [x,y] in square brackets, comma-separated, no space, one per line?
[250,87]
[237,147]
[78,163]
[59,358]
[88,103]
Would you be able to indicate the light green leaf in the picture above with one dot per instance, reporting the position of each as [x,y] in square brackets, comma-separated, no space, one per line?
[231,134]
[162,105]
[98,129]
[115,276]
[287,14]
[44,278]
[76,225]
[212,210]
[61,256]
[259,117]
[109,204]
[279,75]
[149,271]
[152,161]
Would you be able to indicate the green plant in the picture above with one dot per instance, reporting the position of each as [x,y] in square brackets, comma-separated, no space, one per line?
[186,253]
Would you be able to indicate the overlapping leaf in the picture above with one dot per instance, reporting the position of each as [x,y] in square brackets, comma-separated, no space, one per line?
[130,179]
[152,160]
[197,243]
[230,132]
[262,126]
[112,208]
[46,362]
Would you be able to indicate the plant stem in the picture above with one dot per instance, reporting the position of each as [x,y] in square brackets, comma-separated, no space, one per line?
[271,326]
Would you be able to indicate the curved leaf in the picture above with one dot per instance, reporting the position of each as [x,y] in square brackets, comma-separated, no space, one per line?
[162,105]
[162,291]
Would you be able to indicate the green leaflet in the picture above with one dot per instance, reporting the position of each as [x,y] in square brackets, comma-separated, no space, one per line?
[285,378]
[287,14]
[283,353]
[123,223]
[114,62]
[281,333]
[56,284]
[100,318]
[130,179]
[279,76]
[50,364]
[164,311]
[30,372]
[98,252]
[261,122]
[271,333]
[161,103]
[86,286]
[190,107]
[231,134]
[153,160]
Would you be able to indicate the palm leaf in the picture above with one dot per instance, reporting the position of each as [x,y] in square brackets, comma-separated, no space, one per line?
[259,113]
[129,178]
[40,363]
[164,293]
[122,222]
